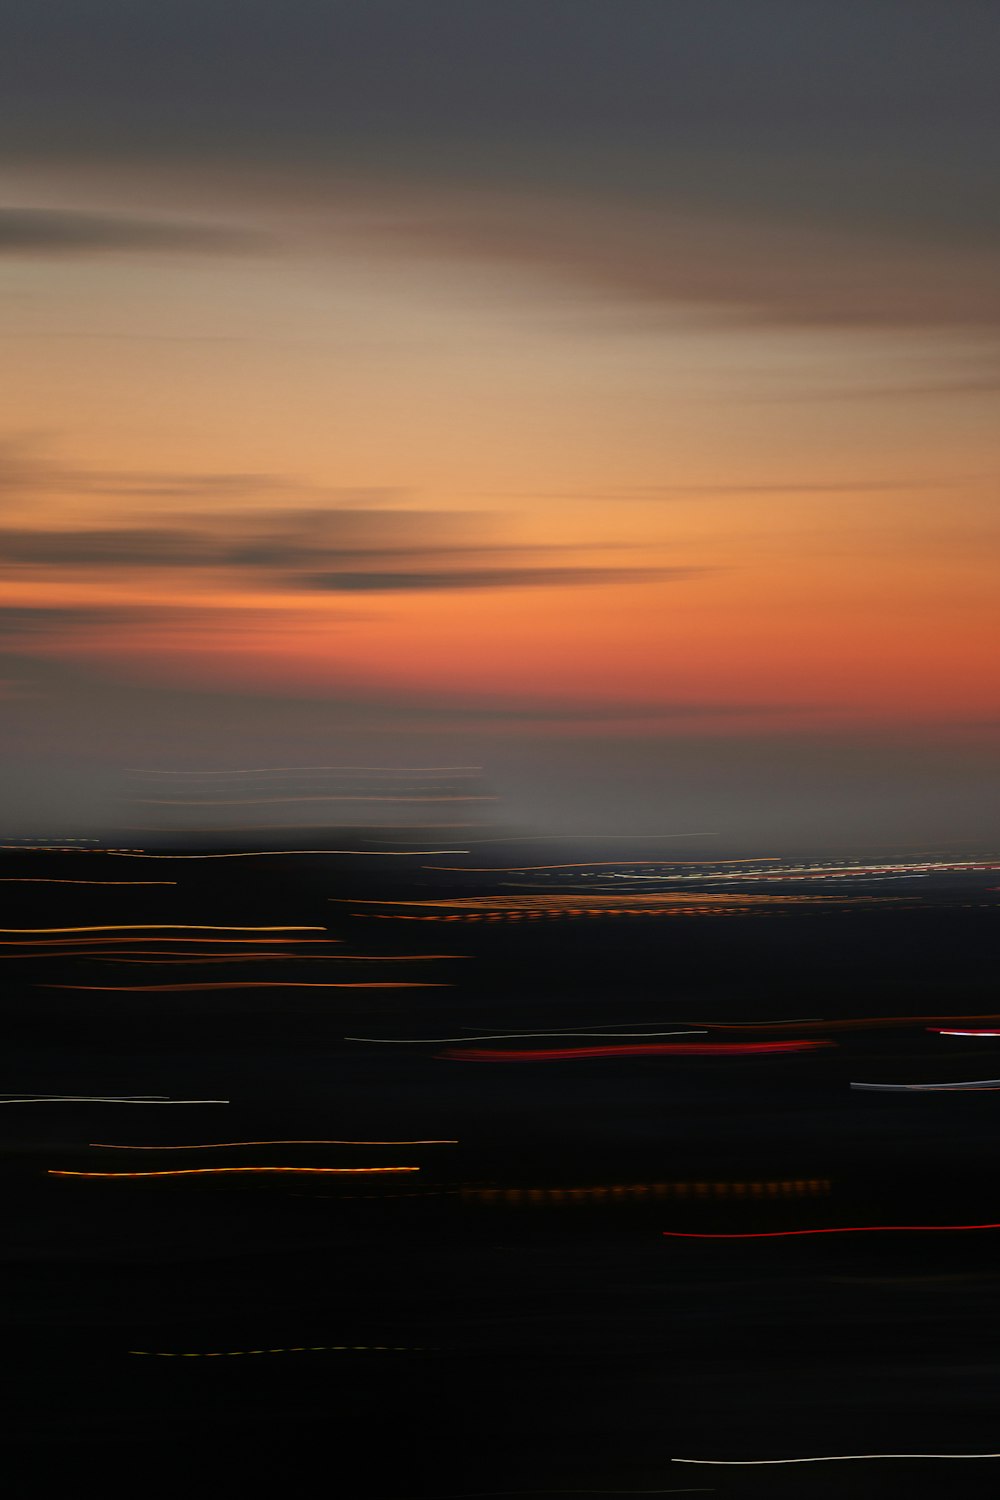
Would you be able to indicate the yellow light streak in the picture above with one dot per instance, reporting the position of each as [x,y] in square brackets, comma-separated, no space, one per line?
[291,1349]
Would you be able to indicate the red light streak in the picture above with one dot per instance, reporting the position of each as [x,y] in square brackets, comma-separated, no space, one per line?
[784,1234]
[675,1049]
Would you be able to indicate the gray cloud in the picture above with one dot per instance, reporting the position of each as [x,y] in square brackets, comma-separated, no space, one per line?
[504,711]
[25,471]
[48,231]
[490,578]
[349,549]
[242,538]
[809,163]
[850,110]
[752,268]
[18,620]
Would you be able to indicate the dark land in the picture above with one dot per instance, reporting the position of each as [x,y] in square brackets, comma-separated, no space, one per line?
[511,1318]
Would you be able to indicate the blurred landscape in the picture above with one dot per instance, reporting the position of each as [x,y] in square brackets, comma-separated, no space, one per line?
[499,729]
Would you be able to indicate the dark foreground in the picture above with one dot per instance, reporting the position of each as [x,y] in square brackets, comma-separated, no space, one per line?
[510,1318]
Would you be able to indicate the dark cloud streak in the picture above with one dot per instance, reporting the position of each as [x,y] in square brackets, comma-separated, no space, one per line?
[491,578]
[50,231]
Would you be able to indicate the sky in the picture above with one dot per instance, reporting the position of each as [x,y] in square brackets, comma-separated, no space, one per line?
[601,394]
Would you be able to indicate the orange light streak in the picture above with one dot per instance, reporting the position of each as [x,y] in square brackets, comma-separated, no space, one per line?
[161,927]
[260,958]
[233,1145]
[214,1171]
[70,946]
[259,984]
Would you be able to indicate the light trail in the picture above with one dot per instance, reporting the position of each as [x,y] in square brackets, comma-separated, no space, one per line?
[216,1171]
[533,1196]
[354,853]
[265,853]
[610,838]
[50,880]
[598,903]
[824,1458]
[139,958]
[679,1049]
[941,1032]
[101,1099]
[290,1349]
[85,947]
[159,927]
[233,1145]
[853,1023]
[972,1086]
[254,984]
[582,864]
[784,1234]
[490,1036]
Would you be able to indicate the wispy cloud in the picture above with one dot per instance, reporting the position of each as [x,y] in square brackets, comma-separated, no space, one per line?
[332,549]
[370,582]
[58,231]
[17,620]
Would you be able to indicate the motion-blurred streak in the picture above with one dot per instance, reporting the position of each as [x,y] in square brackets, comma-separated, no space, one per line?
[651,1049]
[73,947]
[976,1085]
[616,1192]
[51,880]
[941,1031]
[101,1099]
[252,984]
[235,1145]
[167,959]
[268,853]
[289,1349]
[851,1023]
[489,1036]
[583,864]
[786,1234]
[161,927]
[823,1458]
[217,1171]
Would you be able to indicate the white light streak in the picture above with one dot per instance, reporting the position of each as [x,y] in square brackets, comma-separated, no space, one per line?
[823,1458]
[101,1099]
[930,1088]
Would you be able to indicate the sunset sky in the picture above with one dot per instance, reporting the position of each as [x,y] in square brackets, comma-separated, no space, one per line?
[603,392]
